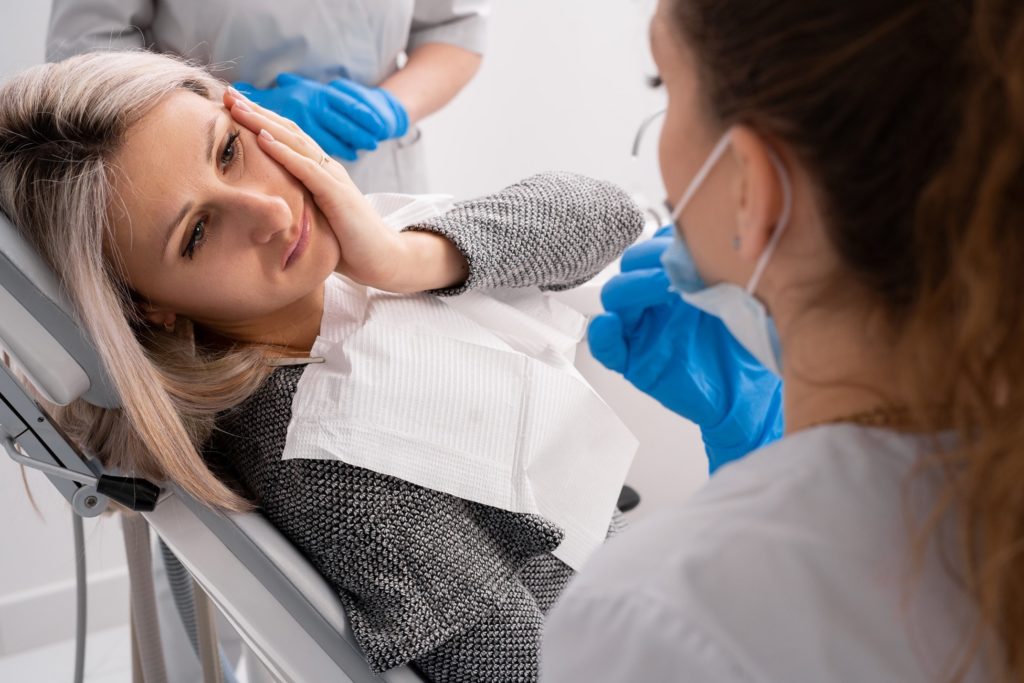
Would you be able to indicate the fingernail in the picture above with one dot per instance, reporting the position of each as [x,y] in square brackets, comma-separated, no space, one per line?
[265,134]
[234,93]
[240,104]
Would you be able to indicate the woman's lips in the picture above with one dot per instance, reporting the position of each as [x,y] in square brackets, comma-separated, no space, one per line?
[300,244]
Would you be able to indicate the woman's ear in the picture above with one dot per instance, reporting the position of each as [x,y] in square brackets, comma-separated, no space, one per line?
[159,316]
[759,190]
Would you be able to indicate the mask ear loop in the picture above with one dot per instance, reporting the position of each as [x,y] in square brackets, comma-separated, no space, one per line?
[780,225]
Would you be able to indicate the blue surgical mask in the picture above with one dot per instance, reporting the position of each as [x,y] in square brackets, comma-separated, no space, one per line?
[737,307]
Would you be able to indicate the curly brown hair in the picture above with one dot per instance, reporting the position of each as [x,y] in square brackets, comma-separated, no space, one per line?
[910,115]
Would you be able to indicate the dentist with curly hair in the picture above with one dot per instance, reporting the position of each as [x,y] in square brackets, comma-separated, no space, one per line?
[846,184]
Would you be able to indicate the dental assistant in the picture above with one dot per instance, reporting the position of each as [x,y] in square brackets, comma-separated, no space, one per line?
[846,181]
[332,67]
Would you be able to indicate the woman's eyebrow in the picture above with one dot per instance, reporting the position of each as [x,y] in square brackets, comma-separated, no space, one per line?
[211,141]
[174,224]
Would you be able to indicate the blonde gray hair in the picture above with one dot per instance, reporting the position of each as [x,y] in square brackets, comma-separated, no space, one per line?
[60,126]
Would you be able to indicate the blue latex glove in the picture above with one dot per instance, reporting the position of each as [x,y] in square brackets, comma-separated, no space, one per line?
[341,124]
[385,106]
[685,358]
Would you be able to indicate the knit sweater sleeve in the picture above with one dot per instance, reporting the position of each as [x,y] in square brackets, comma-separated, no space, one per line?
[552,230]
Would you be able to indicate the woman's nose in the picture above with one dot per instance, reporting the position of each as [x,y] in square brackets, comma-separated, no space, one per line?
[265,215]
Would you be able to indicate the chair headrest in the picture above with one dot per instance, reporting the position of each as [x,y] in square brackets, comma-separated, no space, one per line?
[39,329]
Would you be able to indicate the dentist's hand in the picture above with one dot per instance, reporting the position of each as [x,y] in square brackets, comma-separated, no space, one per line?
[389,111]
[340,123]
[371,253]
[685,358]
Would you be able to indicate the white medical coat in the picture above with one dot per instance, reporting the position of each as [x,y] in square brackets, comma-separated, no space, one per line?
[788,566]
[255,40]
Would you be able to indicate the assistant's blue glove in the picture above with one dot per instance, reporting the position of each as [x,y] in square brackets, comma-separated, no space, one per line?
[387,108]
[339,123]
[685,358]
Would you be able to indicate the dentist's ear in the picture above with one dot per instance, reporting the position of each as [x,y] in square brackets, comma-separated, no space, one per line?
[759,193]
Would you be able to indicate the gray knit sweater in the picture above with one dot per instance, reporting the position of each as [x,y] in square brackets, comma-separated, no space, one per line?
[457,589]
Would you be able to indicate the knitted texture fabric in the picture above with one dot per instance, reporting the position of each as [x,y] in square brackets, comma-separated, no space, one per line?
[552,230]
[456,588]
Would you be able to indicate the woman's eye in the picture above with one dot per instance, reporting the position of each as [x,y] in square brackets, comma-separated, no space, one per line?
[195,240]
[654,81]
[230,152]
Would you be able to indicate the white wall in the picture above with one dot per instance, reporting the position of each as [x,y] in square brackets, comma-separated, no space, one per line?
[562,88]
[23,31]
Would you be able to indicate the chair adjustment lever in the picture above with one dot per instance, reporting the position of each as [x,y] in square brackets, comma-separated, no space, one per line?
[134,493]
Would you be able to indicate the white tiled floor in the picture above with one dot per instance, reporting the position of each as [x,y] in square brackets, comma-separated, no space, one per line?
[107,660]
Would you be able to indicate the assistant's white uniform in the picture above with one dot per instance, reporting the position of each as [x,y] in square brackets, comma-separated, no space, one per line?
[255,40]
[788,566]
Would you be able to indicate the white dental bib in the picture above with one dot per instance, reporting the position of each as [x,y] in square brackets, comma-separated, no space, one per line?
[475,396]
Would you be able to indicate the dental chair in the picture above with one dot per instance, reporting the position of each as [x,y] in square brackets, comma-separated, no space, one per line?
[283,609]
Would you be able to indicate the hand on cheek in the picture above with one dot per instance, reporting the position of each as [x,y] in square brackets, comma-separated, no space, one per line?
[371,253]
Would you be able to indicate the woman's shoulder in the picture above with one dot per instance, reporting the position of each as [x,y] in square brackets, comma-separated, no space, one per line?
[830,492]
[802,541]
[853,470]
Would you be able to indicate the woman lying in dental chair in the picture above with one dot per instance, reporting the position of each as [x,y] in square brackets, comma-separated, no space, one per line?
[197,251]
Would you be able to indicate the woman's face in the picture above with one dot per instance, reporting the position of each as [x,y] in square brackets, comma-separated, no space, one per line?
[688,135]
[210,228]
